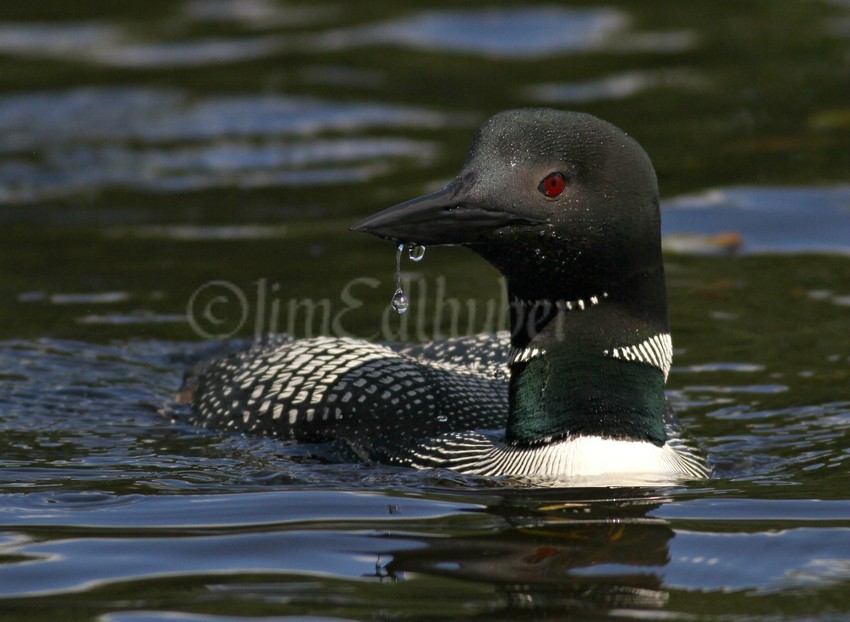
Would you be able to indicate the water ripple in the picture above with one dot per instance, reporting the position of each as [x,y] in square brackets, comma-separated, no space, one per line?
[86,140]
[258,14]
[497,32]
[33,121]
[767,219]
[510,33]
[111,45]
[617,86]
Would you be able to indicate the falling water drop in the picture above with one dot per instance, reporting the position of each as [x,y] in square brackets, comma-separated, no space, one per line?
[416,252]
[399,302]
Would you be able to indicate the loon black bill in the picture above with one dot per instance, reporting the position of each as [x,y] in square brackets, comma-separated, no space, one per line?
[447,216]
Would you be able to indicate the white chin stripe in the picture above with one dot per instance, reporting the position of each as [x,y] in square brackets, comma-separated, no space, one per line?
[579,304]
[656,351]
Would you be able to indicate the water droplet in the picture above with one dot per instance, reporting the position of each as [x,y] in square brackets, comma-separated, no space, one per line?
[400,302]
[416,252]
[442,418]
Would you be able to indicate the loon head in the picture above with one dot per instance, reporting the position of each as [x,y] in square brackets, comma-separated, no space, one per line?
[566,206]
[561,196]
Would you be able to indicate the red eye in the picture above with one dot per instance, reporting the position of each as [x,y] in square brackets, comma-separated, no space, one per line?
[553,185]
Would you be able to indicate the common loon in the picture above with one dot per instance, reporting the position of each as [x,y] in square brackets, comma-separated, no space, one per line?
[566,206]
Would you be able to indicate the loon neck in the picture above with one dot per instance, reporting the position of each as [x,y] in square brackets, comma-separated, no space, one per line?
[589,362]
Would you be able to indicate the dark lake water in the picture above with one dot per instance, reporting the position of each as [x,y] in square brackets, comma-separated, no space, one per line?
[177,173]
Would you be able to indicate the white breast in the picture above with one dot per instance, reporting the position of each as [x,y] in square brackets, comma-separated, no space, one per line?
[578,461]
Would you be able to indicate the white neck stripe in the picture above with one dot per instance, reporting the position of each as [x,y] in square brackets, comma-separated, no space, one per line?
[656,351]
[522,355]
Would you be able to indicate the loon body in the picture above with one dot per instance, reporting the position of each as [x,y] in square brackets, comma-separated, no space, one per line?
[566,207]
